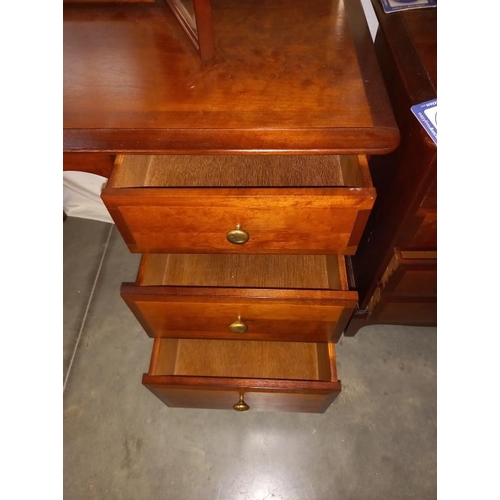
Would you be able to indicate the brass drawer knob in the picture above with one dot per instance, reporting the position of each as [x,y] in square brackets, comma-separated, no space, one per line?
[238,326]
[237,236]
[241,405]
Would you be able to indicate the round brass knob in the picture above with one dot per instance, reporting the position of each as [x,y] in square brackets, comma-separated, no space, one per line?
[237,236]
[238,326]
[241,405]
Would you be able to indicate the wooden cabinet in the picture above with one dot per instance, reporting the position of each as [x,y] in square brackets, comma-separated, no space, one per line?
[243,181]
[263,309]
[395,268]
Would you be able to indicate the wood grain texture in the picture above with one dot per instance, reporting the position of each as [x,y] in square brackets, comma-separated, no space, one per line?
[93,163]
[284,79]
[278,220]
[411,274]
[107,1]
[157,207]
[240,171]
[199,296]
[239,358]
[254,271]
[419,311]
[404,215]
[302,319]
[194,393]
[189,389]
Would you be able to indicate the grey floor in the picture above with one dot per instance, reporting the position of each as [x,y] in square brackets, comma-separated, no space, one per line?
[377,441]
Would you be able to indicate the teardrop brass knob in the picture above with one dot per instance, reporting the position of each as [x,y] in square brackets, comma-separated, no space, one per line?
[237,236]
[241,405]
[238,326]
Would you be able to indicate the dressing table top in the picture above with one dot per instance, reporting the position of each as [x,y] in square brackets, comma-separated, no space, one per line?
[287,77]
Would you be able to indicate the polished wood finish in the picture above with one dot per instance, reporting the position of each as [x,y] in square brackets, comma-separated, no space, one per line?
[270,375]
[407,292]
[241,171]
[268,138]
[93,163]
[292,220]
[396,286]
[256,271]
[195,17]
[411,274]
[283,80]
[286,298]
[108,1]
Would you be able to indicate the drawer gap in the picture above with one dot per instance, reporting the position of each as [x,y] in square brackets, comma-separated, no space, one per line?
[254,270]
[280,171]
[243,359]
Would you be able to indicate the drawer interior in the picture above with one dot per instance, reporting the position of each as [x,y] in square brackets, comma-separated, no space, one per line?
[245,359]
[278,171]
[253,271]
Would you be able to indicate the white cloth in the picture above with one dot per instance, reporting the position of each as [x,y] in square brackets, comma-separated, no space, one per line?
[82,196]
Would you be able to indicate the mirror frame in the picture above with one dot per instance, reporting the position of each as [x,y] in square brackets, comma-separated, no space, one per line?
[197,23]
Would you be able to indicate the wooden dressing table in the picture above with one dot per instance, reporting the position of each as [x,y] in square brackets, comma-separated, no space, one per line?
[243,181]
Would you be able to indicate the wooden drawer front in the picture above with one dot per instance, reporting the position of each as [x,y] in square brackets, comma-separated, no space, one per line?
[288,204]
[187,393]
[411,274]
[269,376]
[277,297]
[198,220]
[267,314]
[402,311]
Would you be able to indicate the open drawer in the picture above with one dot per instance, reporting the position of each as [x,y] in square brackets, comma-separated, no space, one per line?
[312,204]
[242,375]
[253,297]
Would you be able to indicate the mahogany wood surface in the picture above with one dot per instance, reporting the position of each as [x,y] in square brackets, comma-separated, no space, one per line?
[195,17]
[108,1]
[288,297]
[412,275]
[93,163]
[397,311]
[404,217]
[204,28]
[281,219]
[253,270]
[286,79]
[240,171]
[197,392]
[301,79]
[290,377]
[175,313]
[238,358]
[278,220]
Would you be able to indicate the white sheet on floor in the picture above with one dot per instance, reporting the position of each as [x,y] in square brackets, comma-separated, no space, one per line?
[82,196]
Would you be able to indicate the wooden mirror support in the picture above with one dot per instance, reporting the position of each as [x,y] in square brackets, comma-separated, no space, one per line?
[195,16]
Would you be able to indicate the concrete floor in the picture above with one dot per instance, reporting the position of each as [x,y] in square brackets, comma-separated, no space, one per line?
[377,440]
